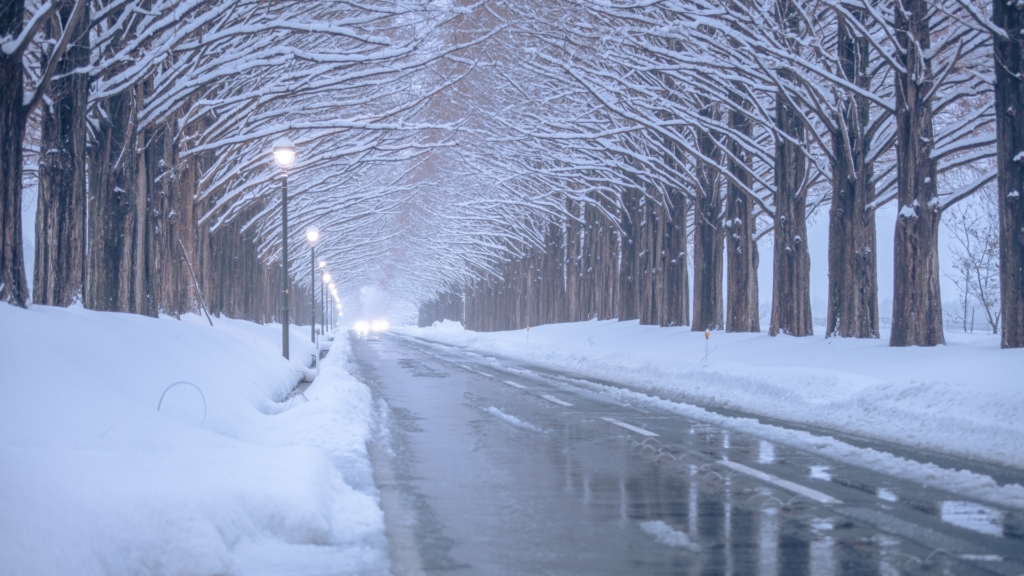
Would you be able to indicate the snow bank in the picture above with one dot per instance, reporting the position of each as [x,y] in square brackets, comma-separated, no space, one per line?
[93,480]
[447,326]
[965,398]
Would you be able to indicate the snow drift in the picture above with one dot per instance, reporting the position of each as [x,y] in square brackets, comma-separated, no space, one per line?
[94,480]
[965,398]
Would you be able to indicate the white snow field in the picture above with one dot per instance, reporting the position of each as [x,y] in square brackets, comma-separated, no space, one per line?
[93,480]
[965,398]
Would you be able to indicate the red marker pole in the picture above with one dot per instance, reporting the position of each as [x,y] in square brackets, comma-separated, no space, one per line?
[527,333]
[707,340]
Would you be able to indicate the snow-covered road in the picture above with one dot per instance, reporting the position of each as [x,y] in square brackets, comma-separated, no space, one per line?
[501,468]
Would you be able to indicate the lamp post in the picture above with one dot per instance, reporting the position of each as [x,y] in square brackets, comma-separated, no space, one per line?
[284,155]
[324,280]
[323,303]
[312,234]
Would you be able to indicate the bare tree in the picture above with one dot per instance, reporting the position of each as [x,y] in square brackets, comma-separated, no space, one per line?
[974,226]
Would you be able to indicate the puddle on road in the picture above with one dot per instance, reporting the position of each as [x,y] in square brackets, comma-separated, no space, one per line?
[419,369]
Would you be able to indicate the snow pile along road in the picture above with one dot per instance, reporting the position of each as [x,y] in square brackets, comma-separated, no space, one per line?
[964,399]
[93,480]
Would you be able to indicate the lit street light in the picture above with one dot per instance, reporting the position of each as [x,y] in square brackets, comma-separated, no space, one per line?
[312,234]
[284,155]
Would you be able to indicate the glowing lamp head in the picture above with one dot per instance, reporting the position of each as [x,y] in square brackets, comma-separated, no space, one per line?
[284,153]
[327,277]
[323,263]
[312,234]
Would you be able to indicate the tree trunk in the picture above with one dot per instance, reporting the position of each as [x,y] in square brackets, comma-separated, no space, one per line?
[917,305]
[141,284]
[791,286]
[572,261]
[553,277]
[852,263]
[113,208]
[1009,88]
[59,270]
[173,220]
[744,314]
[628,268]
[588,262]
[647,278]
[13,284]
[608,270]
[707,241]
[677,282]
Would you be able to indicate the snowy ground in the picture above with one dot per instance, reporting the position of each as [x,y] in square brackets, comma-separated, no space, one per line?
[964,399]
[93,480]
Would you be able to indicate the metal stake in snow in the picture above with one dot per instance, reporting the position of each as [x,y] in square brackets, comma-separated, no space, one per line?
[707,341]
[195,282]
[527,333]
[184,383]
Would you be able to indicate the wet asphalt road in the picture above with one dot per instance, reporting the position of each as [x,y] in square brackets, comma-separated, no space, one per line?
[495,468]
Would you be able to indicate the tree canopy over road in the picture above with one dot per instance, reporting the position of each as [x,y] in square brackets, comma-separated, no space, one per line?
[511,163]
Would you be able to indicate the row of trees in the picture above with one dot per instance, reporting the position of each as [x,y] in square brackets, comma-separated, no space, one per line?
[489,148]
[724,121]
[146,126]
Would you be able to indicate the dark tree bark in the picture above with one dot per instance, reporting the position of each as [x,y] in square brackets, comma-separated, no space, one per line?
[917,305]
[573,255]
[676,276]
[114,209]
[553,277]
[628,266]
[540,288]
[648,260]
[13,115]
[588,262]
[173,221]
[852,260]
[608,267]
[1009,88]
[59,270]
[707,240]
[744,314]
[791,285]
[791,296]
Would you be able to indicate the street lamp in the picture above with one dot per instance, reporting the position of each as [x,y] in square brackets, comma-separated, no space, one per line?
[284,155]
[312,234]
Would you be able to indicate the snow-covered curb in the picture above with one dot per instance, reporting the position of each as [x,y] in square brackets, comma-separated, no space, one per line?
[93,480]
[964,399]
